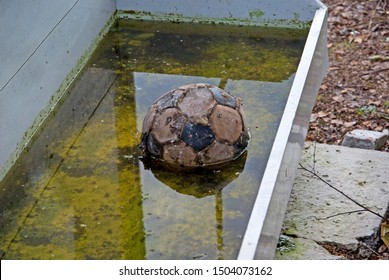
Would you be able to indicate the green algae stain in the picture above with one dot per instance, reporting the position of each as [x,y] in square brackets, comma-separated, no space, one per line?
[256,14]
[103,201]
[255,18]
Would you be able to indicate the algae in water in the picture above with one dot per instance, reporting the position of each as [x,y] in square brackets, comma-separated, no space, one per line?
[85,193]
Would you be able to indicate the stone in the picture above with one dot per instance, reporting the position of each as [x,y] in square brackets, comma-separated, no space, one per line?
[320,214]
[365,139]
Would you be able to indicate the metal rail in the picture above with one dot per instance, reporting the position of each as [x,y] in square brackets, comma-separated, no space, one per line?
[260,239]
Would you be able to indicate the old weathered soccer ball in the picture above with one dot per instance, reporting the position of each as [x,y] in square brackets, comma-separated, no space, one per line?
[196,125]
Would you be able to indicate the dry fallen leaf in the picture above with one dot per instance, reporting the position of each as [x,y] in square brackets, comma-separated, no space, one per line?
[385,233]
[358,39]
[377,103]
[349,124]
[337,122]
[322,114]
[338,98]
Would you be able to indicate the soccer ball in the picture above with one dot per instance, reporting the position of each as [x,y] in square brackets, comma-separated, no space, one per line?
[195,125]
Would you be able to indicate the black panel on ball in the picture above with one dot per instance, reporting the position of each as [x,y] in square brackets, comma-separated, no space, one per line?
[197,136]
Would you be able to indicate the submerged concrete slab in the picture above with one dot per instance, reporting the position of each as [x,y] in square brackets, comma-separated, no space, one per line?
[317,213]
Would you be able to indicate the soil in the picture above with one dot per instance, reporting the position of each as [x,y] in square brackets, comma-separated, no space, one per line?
[362,252]
[368,248]
[355,92]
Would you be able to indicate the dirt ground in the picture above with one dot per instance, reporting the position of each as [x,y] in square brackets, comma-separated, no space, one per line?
[355,92]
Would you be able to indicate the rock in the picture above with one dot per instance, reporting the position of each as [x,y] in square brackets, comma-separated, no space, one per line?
[317,214]
[365,139]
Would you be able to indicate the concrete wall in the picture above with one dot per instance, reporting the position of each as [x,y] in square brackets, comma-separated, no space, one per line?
[41,41]
[273,12]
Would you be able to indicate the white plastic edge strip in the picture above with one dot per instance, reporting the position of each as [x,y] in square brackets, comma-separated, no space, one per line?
[262,202]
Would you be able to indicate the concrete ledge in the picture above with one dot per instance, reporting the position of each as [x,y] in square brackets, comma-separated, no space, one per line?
[254,12]
[317,213]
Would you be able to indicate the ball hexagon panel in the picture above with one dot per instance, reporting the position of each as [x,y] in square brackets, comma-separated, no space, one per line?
[227,123]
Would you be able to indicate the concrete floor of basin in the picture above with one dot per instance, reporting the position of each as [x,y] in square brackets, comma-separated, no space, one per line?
[317,214]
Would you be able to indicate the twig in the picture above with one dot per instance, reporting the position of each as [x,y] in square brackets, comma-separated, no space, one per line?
[371,19]
[375,71]
[314,157]
[384,3]
[339,214]
[334,188]
[368,247]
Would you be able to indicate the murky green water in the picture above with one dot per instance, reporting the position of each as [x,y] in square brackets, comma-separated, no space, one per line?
[82,192]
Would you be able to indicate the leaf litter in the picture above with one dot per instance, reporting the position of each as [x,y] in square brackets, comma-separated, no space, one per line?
[355,92]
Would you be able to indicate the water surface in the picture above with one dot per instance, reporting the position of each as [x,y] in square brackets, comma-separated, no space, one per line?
[83,192]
